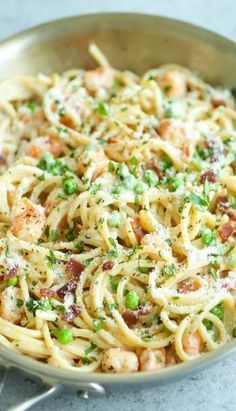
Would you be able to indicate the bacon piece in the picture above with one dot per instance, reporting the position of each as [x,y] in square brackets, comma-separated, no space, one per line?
[66,121]
[188,285]
[138,231]
[108,265]
[150,165]
[74,268]
[68,288]
[46,292]
[73,311]
[11,273]
[208,175]
[224,206]
[218,102]
[131,318]
[226,231]
[3,161]
[112,140]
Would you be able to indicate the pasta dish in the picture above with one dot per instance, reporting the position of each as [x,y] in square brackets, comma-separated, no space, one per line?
[117,217]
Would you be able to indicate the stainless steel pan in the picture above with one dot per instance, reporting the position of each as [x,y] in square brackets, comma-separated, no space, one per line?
[137,42]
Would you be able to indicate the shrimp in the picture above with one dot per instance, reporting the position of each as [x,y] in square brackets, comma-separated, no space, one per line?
[193,344]
[42,145]
[173,131]
[8,308]
[89,157]
[118,360]
[173,83]
[101,77]
[28,220]
[151,360]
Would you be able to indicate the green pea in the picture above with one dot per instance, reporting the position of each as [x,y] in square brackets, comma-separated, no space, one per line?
[116,190]
[12,281]
[69,186]
[114,219]
[218,311]
[129,182]
[175,183]
[122,170]
[207,236]
[234,332]
[150,177]
[47,161]
[132,300]
[232,259]
[139,188]
[64,336]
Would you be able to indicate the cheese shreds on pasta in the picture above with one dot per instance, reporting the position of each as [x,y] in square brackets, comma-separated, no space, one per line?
[117,217]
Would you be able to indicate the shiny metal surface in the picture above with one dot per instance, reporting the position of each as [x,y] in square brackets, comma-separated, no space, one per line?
[137,42]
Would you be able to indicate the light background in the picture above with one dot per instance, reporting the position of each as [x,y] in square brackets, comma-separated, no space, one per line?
[215,388]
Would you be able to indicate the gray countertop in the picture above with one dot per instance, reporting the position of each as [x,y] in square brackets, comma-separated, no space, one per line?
[211,390]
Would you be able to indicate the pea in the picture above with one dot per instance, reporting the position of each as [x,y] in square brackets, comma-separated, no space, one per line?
[218,311]
[69,186]
[207,236]
[232,259]
[114,219]
[47,161]
[64,336]
[129,182]
[175,183]
[122,170]
[132,300]
[12,281]
[234,332]
[139,188]
[150,177]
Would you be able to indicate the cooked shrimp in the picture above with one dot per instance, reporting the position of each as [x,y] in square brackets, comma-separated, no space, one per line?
[88,157]
[117,360]
[173,83]
[173,131]
[43,145]
[151,360]
[28,220]
[100,77]
[193,344]
[9,309]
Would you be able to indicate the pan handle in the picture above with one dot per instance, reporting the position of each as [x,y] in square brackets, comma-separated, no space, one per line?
[44,392]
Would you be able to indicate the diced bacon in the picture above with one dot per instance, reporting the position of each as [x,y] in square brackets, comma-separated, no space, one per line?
[130,318]
[208,175]
[150,165]
[68,288]
[66,121]
[72,313]
[3,161]
[11,272]
[226,231]
[74,268]
[218,102]
[46,292]
[138,231]
[224,206]
[108,265]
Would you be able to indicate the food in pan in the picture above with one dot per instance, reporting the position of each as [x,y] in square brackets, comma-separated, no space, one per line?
[117,217]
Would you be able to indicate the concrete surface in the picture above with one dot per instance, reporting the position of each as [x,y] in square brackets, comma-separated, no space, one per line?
[213,389]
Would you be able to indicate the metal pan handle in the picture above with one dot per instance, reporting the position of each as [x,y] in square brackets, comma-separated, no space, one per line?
[44,392]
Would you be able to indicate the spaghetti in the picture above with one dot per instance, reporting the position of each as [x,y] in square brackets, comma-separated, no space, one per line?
[117,217]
